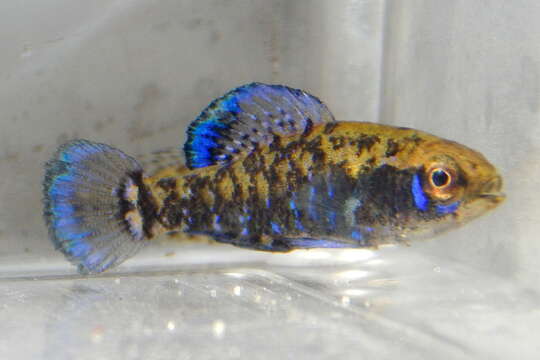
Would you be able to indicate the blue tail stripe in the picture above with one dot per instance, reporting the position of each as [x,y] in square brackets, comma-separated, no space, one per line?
[83,173]
[79,249]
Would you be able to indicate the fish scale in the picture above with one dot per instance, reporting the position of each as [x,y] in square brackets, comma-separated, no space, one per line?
[267,168]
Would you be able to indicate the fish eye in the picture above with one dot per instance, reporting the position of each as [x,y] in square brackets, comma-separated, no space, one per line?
[440,177]
[442,182]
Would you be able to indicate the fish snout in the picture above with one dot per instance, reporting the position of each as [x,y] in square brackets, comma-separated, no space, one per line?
[492,190]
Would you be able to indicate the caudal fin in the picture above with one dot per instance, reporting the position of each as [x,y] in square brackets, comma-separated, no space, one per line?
[91,194]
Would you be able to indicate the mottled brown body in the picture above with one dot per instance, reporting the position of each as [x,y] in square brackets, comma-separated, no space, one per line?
[190,200]
[353,146]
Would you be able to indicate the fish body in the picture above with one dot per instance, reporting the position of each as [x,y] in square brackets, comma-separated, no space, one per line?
[346,184]
[268,168]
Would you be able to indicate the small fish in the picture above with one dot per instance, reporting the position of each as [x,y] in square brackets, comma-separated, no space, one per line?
[268,168]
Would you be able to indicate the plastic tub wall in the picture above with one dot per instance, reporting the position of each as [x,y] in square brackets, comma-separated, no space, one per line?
[133,74]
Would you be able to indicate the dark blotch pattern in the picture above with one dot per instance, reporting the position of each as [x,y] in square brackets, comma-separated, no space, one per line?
[392,148]
[364,142]
[329,128]
[167,183]
[146,204]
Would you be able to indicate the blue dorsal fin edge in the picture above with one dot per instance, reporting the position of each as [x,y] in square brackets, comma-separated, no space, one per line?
[248,117]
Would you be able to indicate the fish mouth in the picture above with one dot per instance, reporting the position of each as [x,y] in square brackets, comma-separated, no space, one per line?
[491,191]
[488,197]
[494,198]
[480,204]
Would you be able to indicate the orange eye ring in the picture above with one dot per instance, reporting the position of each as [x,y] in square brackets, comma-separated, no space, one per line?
[442,183]
[439,178]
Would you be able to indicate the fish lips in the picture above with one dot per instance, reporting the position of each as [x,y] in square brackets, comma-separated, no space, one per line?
[488,196]
[479,204]
[491,192]
[491,199]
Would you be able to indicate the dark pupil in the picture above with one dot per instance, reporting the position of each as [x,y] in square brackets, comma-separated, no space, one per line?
[439,178]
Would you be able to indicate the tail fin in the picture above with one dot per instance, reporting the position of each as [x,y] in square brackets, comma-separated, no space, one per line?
[91,195]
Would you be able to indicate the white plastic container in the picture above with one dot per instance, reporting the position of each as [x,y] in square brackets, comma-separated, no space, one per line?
[135,73]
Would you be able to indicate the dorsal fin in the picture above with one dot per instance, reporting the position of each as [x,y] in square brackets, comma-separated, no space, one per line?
[247,117]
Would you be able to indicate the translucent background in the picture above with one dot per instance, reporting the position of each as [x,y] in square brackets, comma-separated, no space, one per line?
[134,73]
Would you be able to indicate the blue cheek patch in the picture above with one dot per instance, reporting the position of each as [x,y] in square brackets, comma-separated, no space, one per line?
[420,198]
[447,209]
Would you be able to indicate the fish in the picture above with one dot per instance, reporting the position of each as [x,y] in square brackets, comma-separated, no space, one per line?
[267,168]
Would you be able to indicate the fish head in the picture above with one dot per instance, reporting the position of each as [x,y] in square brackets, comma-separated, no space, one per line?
[456,180]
